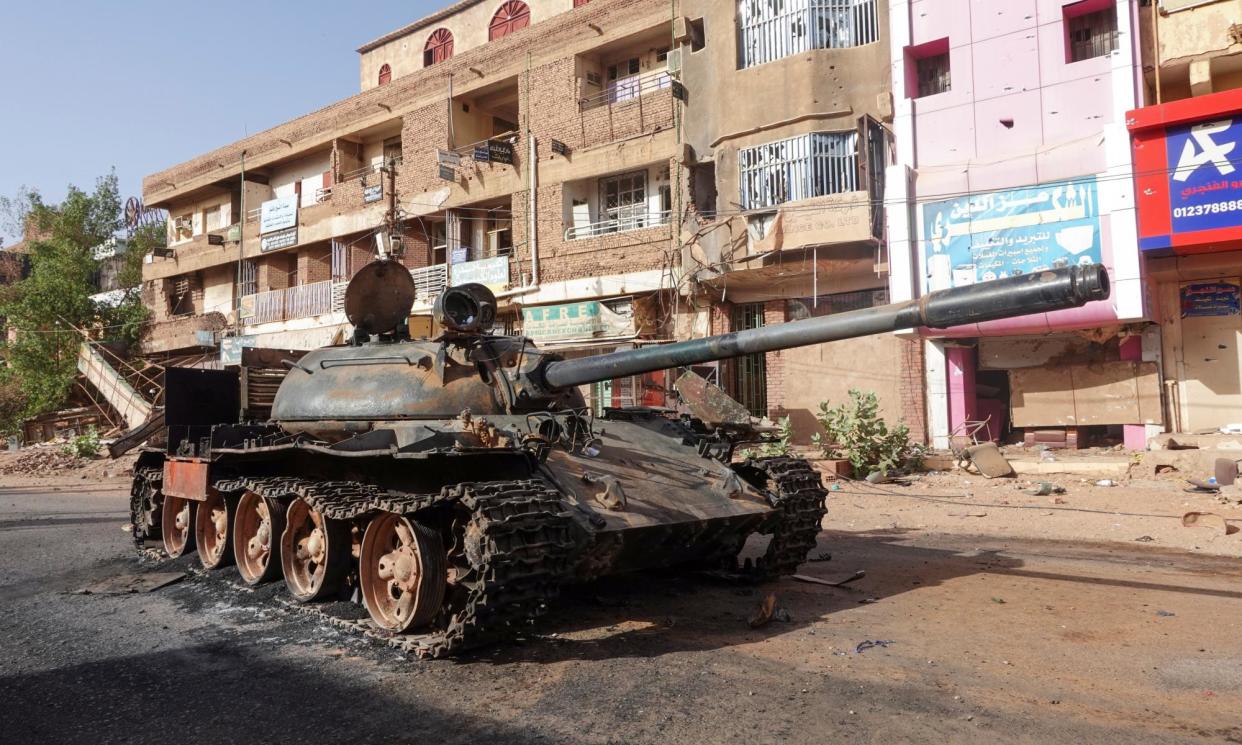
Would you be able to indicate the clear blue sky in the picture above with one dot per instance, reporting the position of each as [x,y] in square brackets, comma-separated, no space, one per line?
[140,85]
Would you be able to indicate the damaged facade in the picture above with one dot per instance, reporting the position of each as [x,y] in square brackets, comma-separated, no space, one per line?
[1013,156]
[620,173]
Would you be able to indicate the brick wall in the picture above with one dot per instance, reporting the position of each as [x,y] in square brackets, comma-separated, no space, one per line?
[774,314]
[314,264]
[914,390]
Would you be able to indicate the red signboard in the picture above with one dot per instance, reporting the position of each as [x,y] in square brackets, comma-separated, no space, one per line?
[1188,174]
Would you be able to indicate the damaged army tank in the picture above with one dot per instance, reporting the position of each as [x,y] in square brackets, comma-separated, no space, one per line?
[454,484]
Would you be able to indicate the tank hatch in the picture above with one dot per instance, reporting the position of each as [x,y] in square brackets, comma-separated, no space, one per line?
[379,297]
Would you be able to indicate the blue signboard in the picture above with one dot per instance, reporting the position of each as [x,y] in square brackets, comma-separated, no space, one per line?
[1218,298]
[1000,234]
[1205,183]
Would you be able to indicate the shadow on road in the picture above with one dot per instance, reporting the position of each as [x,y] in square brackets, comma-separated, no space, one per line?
[222,692]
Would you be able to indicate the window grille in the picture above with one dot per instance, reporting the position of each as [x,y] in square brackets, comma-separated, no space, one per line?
[812,165]
[624,199]
[772,29]
[934,74]
[1093,34]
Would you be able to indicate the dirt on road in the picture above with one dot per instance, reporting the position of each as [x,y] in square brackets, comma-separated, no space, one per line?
[962,629]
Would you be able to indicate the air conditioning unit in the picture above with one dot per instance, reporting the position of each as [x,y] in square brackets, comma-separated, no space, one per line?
[674,61]
[593,78]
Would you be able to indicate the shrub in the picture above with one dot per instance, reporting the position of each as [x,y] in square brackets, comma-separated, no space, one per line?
[775,446]
[85,445]
[857,433]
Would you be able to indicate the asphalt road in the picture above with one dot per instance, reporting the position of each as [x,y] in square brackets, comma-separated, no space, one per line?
[984,641]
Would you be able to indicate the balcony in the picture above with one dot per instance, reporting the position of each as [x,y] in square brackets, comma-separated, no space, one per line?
[632,88]
[621,224]
[429,282]
[303,301]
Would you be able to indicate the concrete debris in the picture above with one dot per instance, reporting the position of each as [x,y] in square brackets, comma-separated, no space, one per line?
[44,460]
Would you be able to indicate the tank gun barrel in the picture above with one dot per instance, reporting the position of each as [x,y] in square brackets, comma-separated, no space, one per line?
[1055,289]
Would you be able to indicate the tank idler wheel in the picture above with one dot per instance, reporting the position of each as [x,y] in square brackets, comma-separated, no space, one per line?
[314,552]
[402,571]
[212,522]
[177,526]
[257,531]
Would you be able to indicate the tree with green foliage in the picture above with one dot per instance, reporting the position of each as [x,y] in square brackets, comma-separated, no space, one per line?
[46,310]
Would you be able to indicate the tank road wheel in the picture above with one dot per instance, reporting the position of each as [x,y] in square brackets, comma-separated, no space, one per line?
[402,571]
[257,531]
[177,526]
[314,552]
[211,530]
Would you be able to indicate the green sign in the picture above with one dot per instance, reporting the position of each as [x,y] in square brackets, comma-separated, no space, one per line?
[585,320]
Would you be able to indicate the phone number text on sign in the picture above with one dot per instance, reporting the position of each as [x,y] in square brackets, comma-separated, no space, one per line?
[1196,210]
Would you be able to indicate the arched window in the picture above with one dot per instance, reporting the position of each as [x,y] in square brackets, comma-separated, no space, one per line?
[512,16]
[438,48]
[385,76]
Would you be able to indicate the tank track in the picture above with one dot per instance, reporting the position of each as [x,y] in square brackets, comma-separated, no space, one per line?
[517,548]
[147,482]
[795,489]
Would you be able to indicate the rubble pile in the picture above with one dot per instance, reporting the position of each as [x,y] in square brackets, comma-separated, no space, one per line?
[43,461]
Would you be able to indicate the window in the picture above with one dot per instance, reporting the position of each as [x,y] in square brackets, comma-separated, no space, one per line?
[623,201]
[933,74]
[510,17]
[248,283]
[698,38]
[1090,33]
[812,165]
[385,75]
[211,218]
[580,3]
[438,48]
[392,150]
[772,29]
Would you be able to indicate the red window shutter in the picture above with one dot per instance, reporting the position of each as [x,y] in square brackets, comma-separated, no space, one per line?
[385,75]
[580,3]
[438,48]
[510,17]
[327,179]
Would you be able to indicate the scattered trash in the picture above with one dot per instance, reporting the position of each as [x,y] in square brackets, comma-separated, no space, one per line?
[863,646]
[1203,486]
[877,477]
[968,514]
[823,556]
[988,459]
[768,611]
[1106,482]
[1058,500]
[830,583]
[1144,539]
[998,601]
[47,459]
[835,487]
[1165,468]
[1165,614]
[1208,520]
[1231,429]
[1045,488]
[128,584]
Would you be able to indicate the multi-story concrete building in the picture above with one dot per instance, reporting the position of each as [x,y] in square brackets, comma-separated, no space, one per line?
[1187,144]
[621,173]
[1013,156]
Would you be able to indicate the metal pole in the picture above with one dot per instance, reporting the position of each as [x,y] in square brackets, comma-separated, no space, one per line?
[241,247]
[1155,43]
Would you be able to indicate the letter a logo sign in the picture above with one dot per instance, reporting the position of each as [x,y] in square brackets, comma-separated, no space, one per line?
[1209,151]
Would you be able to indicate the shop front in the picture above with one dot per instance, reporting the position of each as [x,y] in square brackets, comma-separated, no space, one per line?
[1188,178]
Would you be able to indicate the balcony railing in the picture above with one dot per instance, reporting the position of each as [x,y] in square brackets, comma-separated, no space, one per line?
[366,170]
[621,224]
[628,89]
[302,301]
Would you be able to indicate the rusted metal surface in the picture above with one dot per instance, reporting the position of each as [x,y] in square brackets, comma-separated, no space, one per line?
[186,478]
[379,297]
[709,402]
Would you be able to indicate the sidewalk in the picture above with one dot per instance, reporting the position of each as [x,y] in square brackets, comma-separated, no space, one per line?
[1143,510]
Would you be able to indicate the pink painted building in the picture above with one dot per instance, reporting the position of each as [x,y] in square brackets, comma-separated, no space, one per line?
[1013,156]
